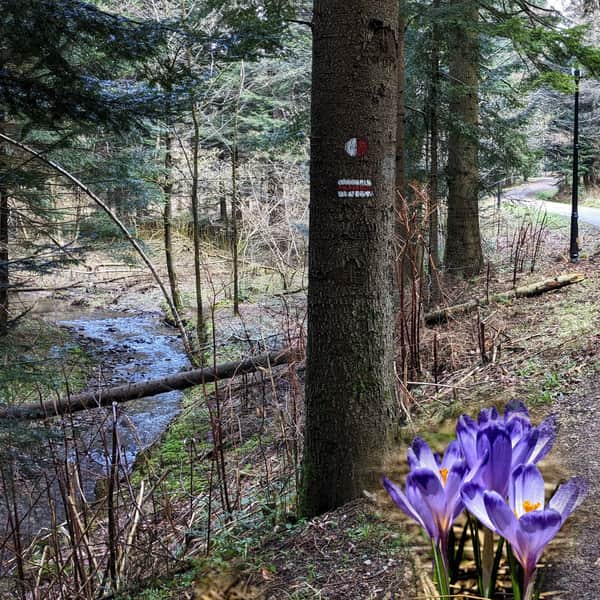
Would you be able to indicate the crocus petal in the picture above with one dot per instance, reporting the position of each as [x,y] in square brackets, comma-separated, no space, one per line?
[526,486]
[401,501]
[472,497]
[547,431]
[455,479]
[524,447]
[452,455]
[424,455]
[432,491]
[535,530]
[421,507]
[502,518]
[466,432]
[454,504]
[517,427]
[488,416]
[569,496]
[495,474]
[413,461]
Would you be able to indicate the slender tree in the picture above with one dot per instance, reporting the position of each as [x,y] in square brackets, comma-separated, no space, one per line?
[433,119]
[351,409]
[463,245]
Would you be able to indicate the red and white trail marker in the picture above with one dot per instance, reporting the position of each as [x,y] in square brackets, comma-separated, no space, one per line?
[354,188]
[356,148]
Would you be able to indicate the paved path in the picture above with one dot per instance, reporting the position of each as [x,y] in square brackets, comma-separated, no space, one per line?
[527,192]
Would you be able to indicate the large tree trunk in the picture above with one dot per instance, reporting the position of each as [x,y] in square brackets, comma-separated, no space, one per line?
[463,245]
[351,409]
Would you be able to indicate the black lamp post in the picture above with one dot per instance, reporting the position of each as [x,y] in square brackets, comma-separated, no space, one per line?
[574,247]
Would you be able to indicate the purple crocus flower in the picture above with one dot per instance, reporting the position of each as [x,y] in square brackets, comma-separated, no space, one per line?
[525,521]
[494,446]
[432,497]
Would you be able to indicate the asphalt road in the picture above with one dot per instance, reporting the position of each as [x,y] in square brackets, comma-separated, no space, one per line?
[527,192]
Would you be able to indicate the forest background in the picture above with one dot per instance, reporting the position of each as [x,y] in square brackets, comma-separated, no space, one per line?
[175,135]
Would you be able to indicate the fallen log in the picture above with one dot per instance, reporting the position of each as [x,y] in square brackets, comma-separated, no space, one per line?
[533,289]
[143,389]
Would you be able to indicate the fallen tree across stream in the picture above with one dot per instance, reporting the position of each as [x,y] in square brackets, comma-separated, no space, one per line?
[533,289]
[143,389]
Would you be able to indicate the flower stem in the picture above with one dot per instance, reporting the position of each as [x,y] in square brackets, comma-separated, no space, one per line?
[441,573]
[487,561]
[529,585]
[476,550]
[514,573]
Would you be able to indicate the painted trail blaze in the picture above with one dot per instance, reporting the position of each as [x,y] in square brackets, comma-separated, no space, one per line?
[354,188]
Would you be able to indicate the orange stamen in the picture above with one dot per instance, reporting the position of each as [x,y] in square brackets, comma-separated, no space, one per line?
[444,474]
[529,506]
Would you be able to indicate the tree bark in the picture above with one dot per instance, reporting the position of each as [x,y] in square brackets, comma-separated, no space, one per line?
[351,409]
[400,124]
[463,244]
[144,389]
[433,209]
[200,329]
[533,289]
[235,201]
[168,221]
[4,272]
[4,267]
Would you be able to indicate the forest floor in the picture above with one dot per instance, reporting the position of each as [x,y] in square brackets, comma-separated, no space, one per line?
[543,350]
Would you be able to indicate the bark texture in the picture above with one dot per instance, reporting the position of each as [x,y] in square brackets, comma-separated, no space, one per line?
[463,245]
[433,209]
[4,211]
[168,221]
[200,329]
[351,410]
[4,276]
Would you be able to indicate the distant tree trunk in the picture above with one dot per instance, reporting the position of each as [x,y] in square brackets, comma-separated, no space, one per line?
[4,276]
[400,234]
[234,229]
[235,208]
[222,201]
[168,221]
[433,209]
[4,213]
[400,124]
[351,409]
[463,245]
[200,330]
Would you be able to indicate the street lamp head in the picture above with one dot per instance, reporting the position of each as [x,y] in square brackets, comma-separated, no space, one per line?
[576,69]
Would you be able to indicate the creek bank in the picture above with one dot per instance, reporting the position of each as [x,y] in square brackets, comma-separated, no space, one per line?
[127,349]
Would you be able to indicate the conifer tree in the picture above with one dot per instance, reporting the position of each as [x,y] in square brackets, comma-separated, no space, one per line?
[350,401]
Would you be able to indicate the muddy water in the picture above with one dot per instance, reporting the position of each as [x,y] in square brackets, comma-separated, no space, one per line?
[129,349]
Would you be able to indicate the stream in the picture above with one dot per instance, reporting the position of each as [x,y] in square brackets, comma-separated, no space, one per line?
[126,348]
[129,349]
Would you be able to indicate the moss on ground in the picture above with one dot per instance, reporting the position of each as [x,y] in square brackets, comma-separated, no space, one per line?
[38,358]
